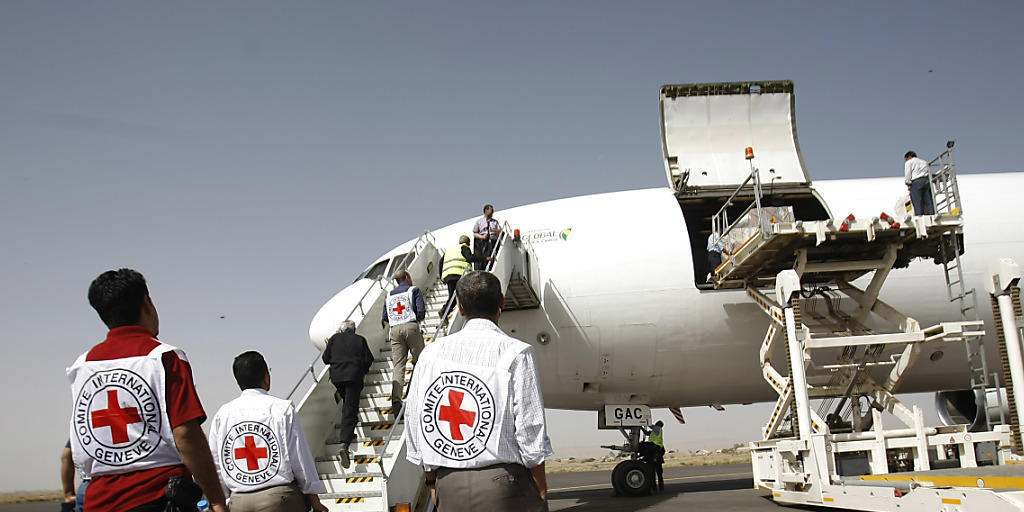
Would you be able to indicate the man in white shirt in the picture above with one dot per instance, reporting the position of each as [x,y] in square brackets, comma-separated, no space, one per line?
[915,174]
[485,235]
[476,414]
[716,247]
[259,448]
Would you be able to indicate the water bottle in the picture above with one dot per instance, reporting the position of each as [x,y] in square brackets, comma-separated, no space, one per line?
[203,505]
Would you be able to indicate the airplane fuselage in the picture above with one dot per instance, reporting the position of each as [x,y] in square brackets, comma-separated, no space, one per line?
[625,322]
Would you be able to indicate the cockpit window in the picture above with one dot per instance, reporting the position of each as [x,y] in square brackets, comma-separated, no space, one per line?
[374,272]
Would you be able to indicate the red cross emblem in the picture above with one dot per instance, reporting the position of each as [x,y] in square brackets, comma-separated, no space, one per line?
[455,415]
[251,453]
[399,308]
[116,418]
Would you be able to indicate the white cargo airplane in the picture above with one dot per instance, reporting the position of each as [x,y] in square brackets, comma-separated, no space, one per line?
[625,314]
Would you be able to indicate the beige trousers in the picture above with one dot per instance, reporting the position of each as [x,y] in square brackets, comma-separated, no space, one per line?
[280,498]
[404,338]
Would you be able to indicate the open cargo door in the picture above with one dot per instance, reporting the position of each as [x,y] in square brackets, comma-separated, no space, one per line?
[706,127]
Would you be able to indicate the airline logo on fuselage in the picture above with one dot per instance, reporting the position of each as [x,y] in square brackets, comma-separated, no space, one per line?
[548,235]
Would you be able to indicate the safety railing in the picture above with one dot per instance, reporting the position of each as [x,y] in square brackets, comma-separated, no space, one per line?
[379,285]
[720,224]
[942,179]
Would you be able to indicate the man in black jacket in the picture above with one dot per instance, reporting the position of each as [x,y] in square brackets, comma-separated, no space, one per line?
[350,358]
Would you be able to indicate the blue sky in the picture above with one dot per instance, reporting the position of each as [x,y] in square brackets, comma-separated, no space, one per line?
[252,157]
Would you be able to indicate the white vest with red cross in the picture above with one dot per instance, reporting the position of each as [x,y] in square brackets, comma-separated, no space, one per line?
[119,422]
[461,410]
[400,307]
[249,441]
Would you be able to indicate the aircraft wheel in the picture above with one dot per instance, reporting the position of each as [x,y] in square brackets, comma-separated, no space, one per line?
[632,478]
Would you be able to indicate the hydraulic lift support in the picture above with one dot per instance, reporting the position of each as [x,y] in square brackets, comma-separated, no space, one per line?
[851,356]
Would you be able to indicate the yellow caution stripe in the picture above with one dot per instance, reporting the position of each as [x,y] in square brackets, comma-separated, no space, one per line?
[349,500]
[379,442]
[365,460]
[991,482]
[358,479]
[382,426]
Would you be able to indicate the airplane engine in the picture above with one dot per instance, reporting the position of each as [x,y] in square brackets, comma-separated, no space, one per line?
[960,407]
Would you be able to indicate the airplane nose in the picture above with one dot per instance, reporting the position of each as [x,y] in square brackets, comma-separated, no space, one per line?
[343,306]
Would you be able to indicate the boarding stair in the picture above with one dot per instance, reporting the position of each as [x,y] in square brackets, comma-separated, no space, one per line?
[379,476]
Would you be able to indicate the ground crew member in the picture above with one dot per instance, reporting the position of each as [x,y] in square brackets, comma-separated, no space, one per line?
[136,415]
[657,437]
[476,414]
[457,260]
[404,309]
[916,175]
[350,358]
[259,448]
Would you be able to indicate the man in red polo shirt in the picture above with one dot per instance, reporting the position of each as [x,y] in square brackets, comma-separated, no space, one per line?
[136,415]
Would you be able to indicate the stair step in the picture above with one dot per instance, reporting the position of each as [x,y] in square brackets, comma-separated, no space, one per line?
[357,451]
[358,494]
[376,417]
[363,494]
[370,433]
[343,476]
[355,485]
[332,465]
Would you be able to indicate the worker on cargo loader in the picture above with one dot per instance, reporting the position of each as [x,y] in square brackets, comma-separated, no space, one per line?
[916,175]
[716,247]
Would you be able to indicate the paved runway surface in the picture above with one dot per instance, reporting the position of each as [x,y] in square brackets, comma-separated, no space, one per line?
[726,488]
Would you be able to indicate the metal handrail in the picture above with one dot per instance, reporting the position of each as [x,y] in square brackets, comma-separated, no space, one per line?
[720,220]
[944,176]
[425,238]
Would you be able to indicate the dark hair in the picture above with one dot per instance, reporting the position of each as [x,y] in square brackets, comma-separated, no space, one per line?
[400,275]
[910,154]
[249,369]
[479,292]
[117,296]
[486,206]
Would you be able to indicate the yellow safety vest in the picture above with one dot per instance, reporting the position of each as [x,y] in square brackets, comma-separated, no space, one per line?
[657,437]
[454,263]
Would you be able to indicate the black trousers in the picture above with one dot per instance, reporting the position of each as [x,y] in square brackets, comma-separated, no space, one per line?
[921,196]
[482,250]
[451,281]
[714,260]
[349,390]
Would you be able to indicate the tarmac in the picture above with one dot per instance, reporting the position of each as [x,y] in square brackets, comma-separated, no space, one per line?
[724,488]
